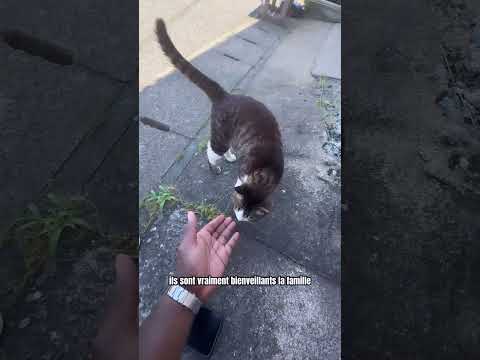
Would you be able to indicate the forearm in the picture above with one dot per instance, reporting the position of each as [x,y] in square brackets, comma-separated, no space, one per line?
[164,333]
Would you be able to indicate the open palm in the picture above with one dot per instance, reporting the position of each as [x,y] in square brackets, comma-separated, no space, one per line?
[206,252]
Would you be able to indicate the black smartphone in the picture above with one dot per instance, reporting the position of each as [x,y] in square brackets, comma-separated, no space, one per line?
[205,330]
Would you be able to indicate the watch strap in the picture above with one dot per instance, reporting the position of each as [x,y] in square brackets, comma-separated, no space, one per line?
[185,298]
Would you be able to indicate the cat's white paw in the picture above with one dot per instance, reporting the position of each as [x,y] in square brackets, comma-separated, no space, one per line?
[230,156]
[215,169]
[214,160]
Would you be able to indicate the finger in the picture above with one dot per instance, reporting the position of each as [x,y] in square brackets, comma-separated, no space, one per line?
[123,302]
[126,284]
[222,257]
[227,233]
[126,271]
[224,252]
[190,229]
[212,226]
[221,253]
[122,307]
[230,245]
[221,228]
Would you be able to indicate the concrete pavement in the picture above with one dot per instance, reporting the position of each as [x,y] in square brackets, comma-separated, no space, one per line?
[260,322]
[194,27]
[88,29]
[300,237]
[86,106]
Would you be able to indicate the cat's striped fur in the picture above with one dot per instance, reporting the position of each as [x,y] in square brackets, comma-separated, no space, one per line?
[241,127]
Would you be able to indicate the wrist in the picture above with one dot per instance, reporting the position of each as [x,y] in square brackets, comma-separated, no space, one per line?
[175,306]
[197,290]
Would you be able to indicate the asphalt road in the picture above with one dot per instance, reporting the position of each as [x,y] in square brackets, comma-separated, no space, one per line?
[194,26]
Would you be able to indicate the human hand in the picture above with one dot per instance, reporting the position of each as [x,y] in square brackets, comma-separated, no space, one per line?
[117,336]
[206,252]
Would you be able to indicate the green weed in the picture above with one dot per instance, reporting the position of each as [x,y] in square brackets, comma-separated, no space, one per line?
[207,211]
[202,145]
[322,102]
[40,231]
[156,201]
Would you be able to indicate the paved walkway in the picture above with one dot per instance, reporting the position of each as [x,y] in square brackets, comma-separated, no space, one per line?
[87,107]
[194,26]
[300,237]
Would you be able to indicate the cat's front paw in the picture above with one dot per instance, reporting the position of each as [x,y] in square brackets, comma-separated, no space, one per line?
[230,156]
[217,170]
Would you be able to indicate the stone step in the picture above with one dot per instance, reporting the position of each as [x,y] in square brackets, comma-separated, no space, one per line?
[324,10]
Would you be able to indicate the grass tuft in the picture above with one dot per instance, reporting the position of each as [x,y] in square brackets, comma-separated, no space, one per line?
[156,201]
[202,145]
[322,102]
[207,211]
[40,230]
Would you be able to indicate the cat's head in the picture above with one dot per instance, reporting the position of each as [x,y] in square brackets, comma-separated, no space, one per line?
[250,203]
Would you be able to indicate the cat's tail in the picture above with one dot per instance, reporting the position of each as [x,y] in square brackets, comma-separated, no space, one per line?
[213,90]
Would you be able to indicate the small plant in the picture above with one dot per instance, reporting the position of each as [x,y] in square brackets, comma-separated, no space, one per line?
[207,211]
[40,231]
[202,145]
[322,102]
[156,201]
[179,157]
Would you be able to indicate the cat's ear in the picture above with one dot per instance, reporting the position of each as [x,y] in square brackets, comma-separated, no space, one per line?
[241,189]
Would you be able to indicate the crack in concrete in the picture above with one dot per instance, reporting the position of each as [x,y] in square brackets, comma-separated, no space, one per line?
[176,169]
[247,40]
[103,74]
[88,133]
[107,154]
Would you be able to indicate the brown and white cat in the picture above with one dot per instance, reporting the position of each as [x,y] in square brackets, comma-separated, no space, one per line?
[241,127]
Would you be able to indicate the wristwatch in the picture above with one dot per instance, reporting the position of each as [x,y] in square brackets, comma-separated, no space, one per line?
[184,297]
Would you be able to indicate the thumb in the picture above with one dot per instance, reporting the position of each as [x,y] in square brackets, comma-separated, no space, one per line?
[125,293]
[126,278]
[190,229]
[121,315]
